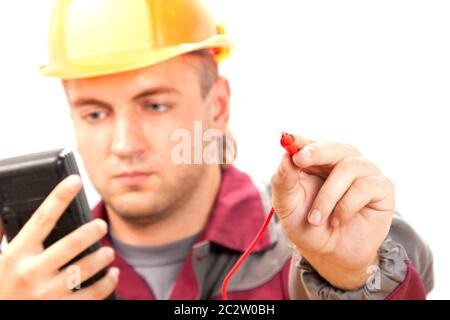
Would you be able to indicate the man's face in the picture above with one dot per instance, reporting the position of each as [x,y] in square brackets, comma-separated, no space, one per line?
[123,125]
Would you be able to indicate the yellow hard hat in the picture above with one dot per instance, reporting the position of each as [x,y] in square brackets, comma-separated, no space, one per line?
[90,38]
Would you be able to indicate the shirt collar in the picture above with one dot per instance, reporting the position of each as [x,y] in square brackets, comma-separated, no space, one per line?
[236,217]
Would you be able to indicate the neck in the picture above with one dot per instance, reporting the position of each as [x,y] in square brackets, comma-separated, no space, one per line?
[176,225]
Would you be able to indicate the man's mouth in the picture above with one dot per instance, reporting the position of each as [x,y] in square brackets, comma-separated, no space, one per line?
[132,177]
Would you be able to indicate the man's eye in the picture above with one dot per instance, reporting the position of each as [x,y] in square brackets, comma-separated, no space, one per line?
[95,116]
[156,107]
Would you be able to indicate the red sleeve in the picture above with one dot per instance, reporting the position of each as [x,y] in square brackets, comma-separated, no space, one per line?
[411,288]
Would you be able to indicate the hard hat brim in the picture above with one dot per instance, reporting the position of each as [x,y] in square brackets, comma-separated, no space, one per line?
[131,60]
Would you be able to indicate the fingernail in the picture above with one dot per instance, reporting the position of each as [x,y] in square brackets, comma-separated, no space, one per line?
[335,222]
[74,181]
[114,272]
[109,252]
[102,224]
[306,152]
[315,217]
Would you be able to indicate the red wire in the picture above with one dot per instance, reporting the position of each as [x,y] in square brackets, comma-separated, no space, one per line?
[245,255]
[288,143]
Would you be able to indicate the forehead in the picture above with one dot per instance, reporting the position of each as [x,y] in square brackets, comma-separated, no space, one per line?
[179,72]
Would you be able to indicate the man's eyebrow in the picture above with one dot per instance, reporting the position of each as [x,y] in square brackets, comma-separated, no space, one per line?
[80,102]
[155,91]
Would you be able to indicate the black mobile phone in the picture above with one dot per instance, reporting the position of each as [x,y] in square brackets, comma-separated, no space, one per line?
[26,181]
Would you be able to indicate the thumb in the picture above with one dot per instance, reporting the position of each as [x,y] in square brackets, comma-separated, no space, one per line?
[287,189]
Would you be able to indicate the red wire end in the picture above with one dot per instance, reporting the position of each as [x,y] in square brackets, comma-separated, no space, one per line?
[287,142]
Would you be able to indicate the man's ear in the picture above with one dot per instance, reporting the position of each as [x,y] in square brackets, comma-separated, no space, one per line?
[220,113]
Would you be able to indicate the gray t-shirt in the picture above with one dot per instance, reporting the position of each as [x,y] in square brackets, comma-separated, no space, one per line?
[158,265]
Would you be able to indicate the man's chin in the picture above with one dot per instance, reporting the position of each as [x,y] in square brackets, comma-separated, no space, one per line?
[134,205]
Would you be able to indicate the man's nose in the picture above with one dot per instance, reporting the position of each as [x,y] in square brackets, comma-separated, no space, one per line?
[128,137]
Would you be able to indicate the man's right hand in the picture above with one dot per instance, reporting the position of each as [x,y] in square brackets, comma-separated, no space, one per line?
[27,271]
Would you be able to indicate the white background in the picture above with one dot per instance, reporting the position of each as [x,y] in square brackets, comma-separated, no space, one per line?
[375,74]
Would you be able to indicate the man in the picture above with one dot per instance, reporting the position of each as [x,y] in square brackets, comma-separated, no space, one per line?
[137,75]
